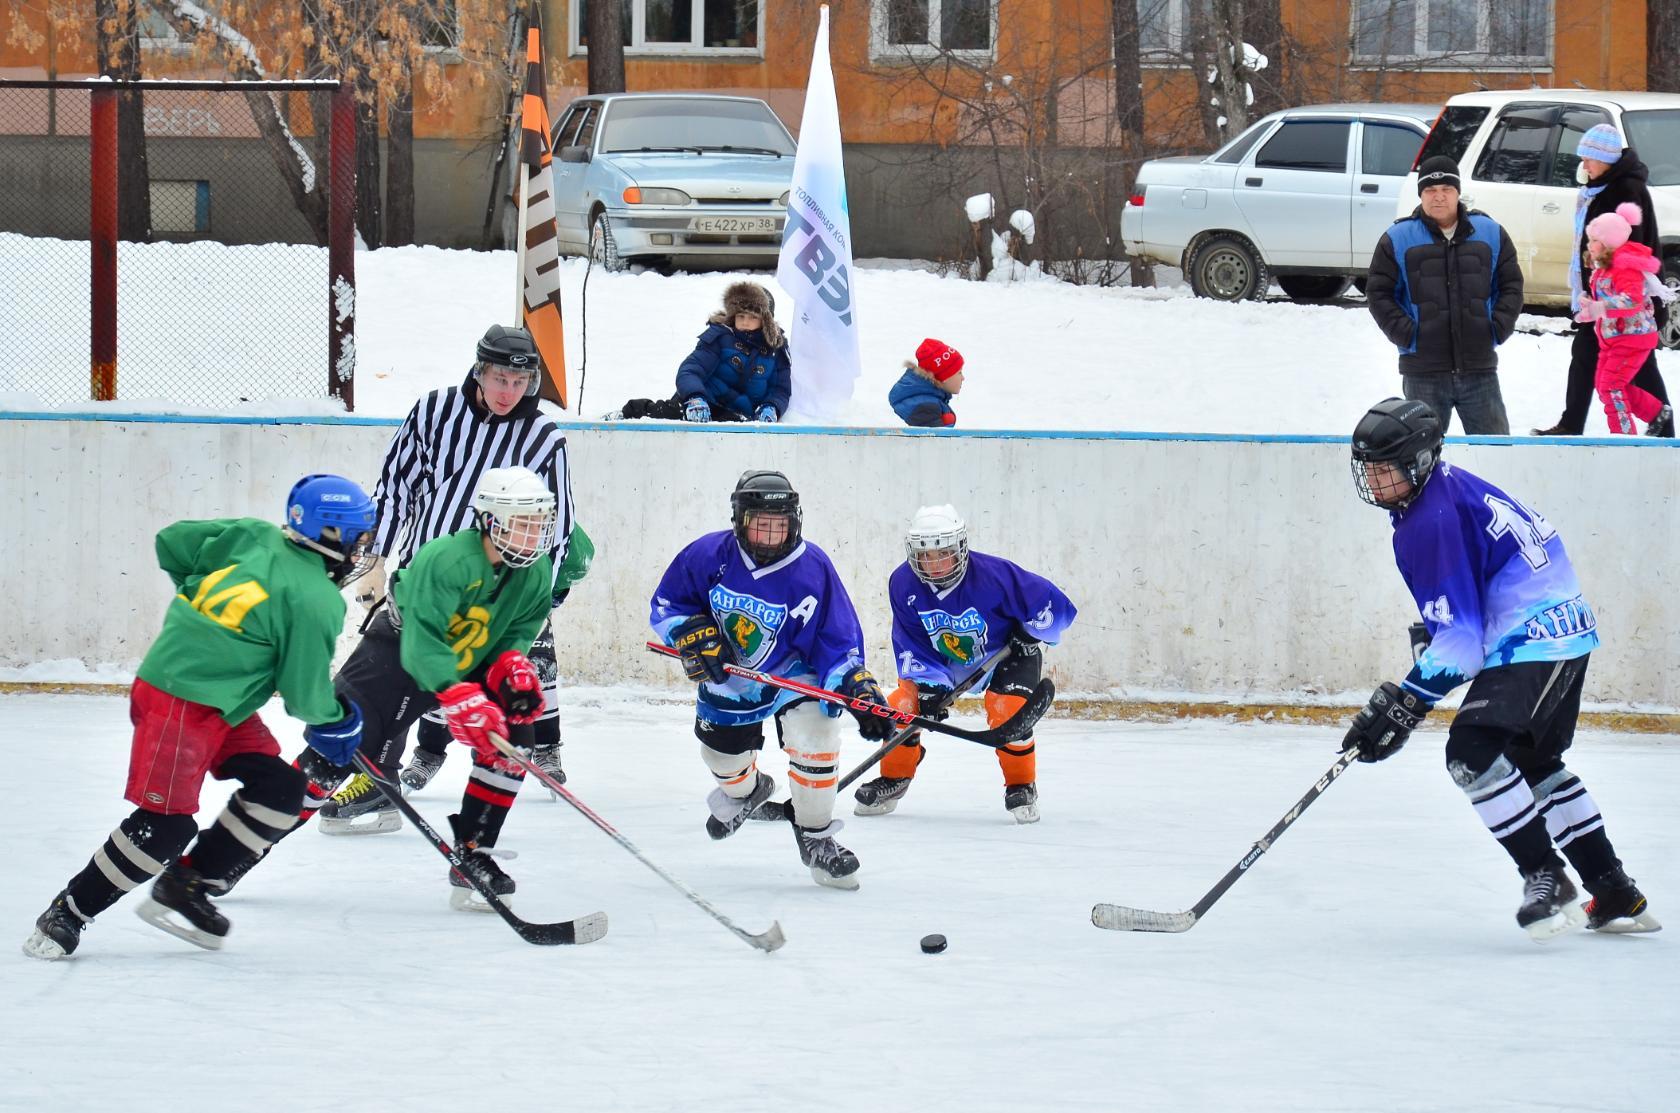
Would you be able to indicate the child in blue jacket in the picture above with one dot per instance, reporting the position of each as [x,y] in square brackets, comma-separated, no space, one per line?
[739,370]
[922,395]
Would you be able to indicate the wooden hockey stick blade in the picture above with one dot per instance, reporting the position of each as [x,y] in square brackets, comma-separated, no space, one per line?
[583,929]
[1117,917]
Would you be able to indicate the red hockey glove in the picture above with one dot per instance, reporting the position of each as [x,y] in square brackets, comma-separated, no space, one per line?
[513,680]
[472,718]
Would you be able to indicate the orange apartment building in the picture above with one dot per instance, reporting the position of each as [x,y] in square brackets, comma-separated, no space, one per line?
[940,99]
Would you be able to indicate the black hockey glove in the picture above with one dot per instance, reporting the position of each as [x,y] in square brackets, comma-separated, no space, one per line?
[1024,646]
[703,649]
[1387,720]
[933,702]
[860,684]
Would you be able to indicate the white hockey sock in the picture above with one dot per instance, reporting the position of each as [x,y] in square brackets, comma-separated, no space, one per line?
[1502,798]
[1568,808]
[811,741]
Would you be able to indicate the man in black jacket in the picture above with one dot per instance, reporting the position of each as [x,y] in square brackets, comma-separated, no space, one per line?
[1445,287]
[1611,175]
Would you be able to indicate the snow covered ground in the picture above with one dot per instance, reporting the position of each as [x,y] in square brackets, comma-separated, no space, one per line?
[1040,354]
[1370,962]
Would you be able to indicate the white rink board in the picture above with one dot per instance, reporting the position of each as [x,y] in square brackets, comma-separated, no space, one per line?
[1223,567]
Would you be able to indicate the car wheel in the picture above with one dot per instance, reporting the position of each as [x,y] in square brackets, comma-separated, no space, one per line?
[1313,287]
[1670,335]
[1226,268]
[603,252]
[1359,283]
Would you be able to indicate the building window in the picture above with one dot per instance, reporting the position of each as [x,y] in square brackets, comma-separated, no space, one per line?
[157,33]
[1167,29]
[180,209]
[1453,34]
[720,27]
[900,29]
[440,28]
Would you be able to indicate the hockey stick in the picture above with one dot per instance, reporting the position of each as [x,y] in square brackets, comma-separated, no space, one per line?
[767,940]
[905,735]
[1118,917]
[584,929]
[1018,726]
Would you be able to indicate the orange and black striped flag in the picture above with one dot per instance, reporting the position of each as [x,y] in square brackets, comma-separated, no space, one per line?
[539,272]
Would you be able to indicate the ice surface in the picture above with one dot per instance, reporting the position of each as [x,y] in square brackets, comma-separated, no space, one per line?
[1369,962]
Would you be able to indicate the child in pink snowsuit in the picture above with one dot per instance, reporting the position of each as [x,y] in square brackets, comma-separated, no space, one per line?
[1621,305]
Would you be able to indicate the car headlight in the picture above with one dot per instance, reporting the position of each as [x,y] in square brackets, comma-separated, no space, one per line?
[783,199]
[655,195]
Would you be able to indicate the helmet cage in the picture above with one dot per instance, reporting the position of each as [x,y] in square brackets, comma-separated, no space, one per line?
[1404,434]
[508,522]
[922,545]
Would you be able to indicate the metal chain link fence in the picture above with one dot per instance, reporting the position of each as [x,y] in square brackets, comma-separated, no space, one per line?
[223,217]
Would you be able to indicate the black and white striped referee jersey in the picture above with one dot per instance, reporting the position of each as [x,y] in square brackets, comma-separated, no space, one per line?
[434,463]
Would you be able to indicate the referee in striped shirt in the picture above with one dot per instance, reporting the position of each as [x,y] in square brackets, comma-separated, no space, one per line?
[450,438]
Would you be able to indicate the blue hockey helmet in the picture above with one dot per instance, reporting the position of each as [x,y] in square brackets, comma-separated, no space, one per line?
[333,516]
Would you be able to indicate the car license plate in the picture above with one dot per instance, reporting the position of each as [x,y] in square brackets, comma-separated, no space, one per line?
[733,225]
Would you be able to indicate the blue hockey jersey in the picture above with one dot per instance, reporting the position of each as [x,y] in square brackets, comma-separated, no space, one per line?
[1491,580]
[938,636]
[792,618]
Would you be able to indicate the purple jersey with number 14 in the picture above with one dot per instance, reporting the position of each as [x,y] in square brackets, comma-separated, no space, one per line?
[940,635]
[792,618]
[1491,580]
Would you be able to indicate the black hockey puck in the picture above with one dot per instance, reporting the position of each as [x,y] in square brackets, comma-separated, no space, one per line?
[932,944]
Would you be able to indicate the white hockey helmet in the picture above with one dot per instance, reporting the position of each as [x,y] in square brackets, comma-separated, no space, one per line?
[935,533]
[516,510]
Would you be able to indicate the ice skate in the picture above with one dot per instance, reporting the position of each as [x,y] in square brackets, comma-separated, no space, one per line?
[359,808]
[180,905]
[421,768]
[1663,424]
[729,812]
[1022,801]
[482,864]
[1618,907]
[1550,906]
[57,932]
[880,796]
[222,886]
[831,864]
[547,758]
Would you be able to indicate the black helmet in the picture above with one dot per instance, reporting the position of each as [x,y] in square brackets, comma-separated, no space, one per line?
[512,348]
[1404,433]
[765,492]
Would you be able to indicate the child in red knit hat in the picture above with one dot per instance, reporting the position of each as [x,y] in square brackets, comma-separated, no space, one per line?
[1620,304]
[922,395]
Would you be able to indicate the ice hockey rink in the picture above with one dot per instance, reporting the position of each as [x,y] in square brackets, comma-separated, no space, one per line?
[1370,961]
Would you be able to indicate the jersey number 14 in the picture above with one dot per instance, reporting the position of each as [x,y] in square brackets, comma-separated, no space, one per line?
[1529,530]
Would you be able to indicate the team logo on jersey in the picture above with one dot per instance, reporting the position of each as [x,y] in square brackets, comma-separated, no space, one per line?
[957,637]
[750,624]
[467,634]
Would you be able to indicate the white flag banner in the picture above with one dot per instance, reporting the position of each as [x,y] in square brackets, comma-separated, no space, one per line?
[816,260]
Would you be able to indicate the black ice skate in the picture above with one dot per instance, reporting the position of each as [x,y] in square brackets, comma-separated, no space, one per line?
[880,796]
[831,864]
[482,864]
[1662,425]
[57,932]
[1022,801]
[180,905]
[729,812]
[222,886]
[1618,907]
[359,808]
[1550,906]
[421,768]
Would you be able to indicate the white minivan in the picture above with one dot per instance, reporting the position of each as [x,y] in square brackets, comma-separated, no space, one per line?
[1516,158]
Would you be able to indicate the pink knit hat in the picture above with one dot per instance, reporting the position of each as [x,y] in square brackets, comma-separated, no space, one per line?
[1614,229]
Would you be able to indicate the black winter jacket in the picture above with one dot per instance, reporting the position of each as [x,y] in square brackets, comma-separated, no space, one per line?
[1446,306]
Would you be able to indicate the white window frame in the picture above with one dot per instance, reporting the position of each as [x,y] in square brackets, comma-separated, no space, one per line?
[1175,57]
[639,48]
[1422,58]
[171,43]
[880,50]
[451,51]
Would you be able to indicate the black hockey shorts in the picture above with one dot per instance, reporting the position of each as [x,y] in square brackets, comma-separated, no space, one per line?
[389,699]
[1018,675]
[1526,711]
[741,737]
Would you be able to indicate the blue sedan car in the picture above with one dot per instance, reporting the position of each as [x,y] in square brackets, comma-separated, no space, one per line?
[658,177]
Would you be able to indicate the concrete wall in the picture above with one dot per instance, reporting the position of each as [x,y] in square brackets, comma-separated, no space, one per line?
[1218,566]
